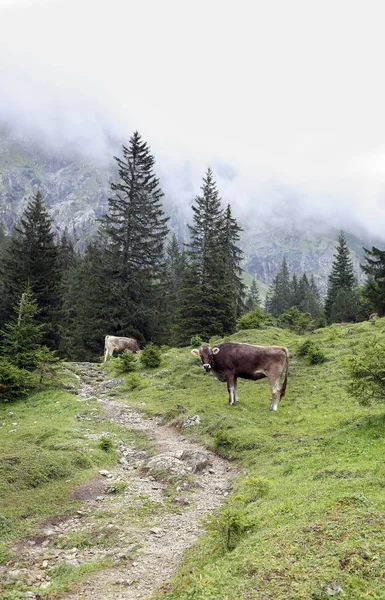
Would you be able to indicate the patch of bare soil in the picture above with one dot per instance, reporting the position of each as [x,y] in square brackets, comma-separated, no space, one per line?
[147,531]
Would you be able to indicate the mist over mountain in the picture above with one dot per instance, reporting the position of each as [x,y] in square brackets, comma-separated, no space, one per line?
[276,221]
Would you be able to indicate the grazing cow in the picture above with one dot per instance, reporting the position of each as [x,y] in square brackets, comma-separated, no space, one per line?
[231,360]
[373,316]
[118,344]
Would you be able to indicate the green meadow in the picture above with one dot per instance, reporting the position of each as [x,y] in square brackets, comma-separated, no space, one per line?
[306,518]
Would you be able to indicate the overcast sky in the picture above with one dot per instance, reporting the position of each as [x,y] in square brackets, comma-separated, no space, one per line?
[288,93]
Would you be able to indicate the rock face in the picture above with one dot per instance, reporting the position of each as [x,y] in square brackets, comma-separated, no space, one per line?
[76,191]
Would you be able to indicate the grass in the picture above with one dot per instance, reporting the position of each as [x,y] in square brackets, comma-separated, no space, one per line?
[45,451]
[307,515]
[319,525]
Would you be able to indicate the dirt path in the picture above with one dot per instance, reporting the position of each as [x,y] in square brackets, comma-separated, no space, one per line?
[145,551]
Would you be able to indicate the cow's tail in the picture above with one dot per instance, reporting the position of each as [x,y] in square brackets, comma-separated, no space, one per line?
[283,388]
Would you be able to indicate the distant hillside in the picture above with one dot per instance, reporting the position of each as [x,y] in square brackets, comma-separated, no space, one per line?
[76,190]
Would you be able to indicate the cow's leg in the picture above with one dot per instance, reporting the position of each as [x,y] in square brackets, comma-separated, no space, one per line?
[231,389]
[105,354]
[275,387]
[235,390]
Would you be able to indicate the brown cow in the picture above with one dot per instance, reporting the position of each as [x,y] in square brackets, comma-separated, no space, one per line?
[119,344]
[231,360]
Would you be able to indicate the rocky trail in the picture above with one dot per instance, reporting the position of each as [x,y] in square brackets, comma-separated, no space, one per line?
[142,553]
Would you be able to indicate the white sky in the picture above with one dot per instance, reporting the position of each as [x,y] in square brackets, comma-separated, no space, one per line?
[290,93]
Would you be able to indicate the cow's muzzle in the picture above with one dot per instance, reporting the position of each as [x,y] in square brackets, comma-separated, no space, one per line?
[207,367]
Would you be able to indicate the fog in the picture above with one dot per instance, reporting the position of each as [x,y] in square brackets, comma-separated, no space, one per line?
[284,100]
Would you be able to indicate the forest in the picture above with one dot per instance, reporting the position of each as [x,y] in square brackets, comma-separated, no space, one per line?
[136,279]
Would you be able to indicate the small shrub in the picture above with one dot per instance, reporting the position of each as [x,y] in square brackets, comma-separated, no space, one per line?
[151,357]
[134,381]
[312,352]
[106,444]
[255,488]
[316,356]
[223,439]
[367,374]
[253,320]
[228,526]
[13,381]
[196,341]
[125,363]
[296,321]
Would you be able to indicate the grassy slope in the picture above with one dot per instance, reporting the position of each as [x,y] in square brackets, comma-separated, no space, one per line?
[44,452]
[318,517]
[309,500]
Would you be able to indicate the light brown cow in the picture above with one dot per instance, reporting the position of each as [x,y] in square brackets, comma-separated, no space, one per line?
[119,344]
[231,360]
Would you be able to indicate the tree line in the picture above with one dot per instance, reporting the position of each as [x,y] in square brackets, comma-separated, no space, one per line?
[134,279]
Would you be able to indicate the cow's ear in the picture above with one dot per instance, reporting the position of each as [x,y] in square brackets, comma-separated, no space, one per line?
[216,350]
[195,352]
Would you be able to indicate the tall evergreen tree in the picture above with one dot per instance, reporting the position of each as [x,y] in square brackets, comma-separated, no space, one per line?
[253,299]
[31,257]
[375,286]
[134,232]
[279,298]
[232,257]
[22,334]
[341,282]
[208,295]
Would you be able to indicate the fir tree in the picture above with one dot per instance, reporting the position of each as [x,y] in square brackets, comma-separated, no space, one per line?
[341,280]
[253,299]
[232,257]
[134,232]
[279,298]
[31,258]
[208,295]
[22,335]
[375,286]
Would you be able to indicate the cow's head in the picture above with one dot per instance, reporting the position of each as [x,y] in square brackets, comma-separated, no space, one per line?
[206,354]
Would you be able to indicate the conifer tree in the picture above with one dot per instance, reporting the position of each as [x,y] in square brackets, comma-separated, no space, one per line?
[253,299]
[31,258]
[375,286]
[133,233]
[279,298]
[208,295]
[341,282]
[232,257]
[22,335]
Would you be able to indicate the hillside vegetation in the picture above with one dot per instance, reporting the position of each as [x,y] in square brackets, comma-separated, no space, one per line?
[307,513]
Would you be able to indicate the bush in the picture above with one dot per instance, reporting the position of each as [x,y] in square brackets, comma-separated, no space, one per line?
[151,357]
[106,443]
[229,525]
[367,374]
[253,320]
[134,381]
[125,363]
[196,341]
[312,352]
[295,320]
[13,381]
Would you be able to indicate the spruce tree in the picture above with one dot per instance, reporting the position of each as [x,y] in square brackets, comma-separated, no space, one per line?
[22,335]
[253,299]
[279,298]
[133,233]
[31,257]
[341,282]
[375,287]
[232,257]
[208,295]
